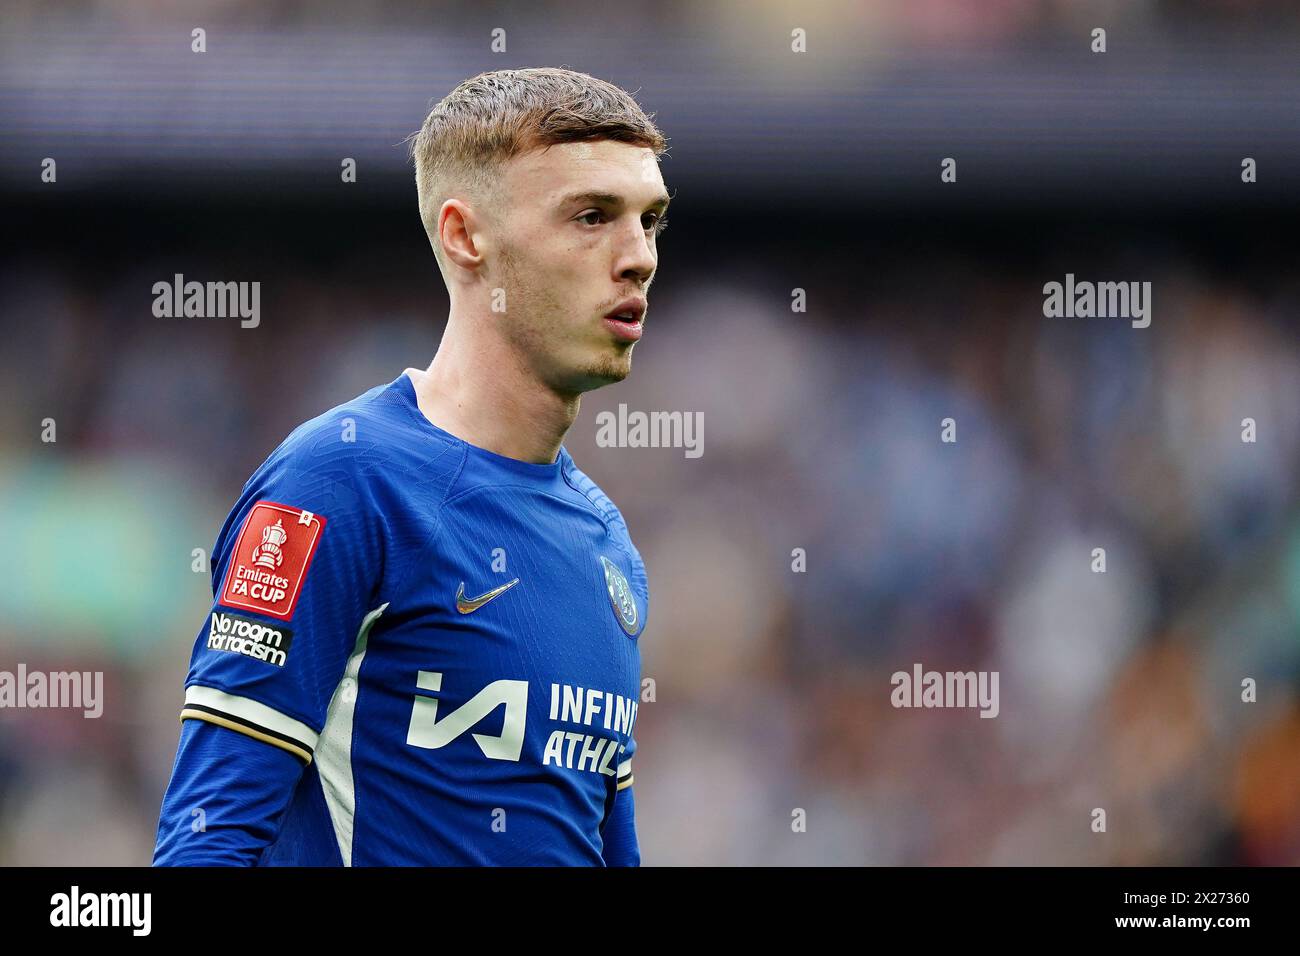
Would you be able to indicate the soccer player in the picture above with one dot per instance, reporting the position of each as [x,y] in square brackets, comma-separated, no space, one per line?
[423,646]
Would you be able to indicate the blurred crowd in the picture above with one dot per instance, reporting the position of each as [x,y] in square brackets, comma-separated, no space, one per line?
[767,735]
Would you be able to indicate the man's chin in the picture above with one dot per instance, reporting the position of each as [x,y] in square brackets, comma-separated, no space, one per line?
[605,372]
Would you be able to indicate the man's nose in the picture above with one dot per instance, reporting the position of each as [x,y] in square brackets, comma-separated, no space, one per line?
[637,259]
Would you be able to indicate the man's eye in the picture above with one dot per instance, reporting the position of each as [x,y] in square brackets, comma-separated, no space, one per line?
[587,215]
[657,223]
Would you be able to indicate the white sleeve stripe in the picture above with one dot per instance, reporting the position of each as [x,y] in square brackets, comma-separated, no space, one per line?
[253,712]
[624,769]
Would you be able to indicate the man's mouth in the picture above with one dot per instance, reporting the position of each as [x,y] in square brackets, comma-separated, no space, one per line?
[626,319]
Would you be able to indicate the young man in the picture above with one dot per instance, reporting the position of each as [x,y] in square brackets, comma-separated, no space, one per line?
[423,645]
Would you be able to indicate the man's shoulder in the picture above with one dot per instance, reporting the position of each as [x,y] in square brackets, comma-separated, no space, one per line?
[370,437]
[581,482]
[613,518]
[366,470]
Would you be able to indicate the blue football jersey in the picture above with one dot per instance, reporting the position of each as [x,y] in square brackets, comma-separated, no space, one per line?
[447,638]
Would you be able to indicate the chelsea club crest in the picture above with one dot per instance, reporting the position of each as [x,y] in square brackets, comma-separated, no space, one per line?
[620,596]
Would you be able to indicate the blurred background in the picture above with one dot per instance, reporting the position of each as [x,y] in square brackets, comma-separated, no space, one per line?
[816,171]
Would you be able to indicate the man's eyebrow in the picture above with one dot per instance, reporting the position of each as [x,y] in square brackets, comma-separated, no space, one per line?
[660,202]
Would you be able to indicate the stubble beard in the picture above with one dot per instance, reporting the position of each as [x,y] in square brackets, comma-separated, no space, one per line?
[547,344]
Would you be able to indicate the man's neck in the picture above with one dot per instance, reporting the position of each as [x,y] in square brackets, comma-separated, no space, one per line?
[482,394]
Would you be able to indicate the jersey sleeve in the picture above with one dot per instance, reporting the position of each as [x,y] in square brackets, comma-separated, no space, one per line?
[620,847]
[624,766]
[226,799]
[295,575]
[641,586]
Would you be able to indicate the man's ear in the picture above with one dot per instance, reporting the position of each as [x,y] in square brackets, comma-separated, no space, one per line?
[456,228]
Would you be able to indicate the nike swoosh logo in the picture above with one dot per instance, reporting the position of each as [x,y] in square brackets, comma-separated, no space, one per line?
[470,605]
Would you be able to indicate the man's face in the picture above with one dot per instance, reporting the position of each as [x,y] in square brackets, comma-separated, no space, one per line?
[576,243]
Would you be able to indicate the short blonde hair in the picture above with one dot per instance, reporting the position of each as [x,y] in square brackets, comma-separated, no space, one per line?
[494,116]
